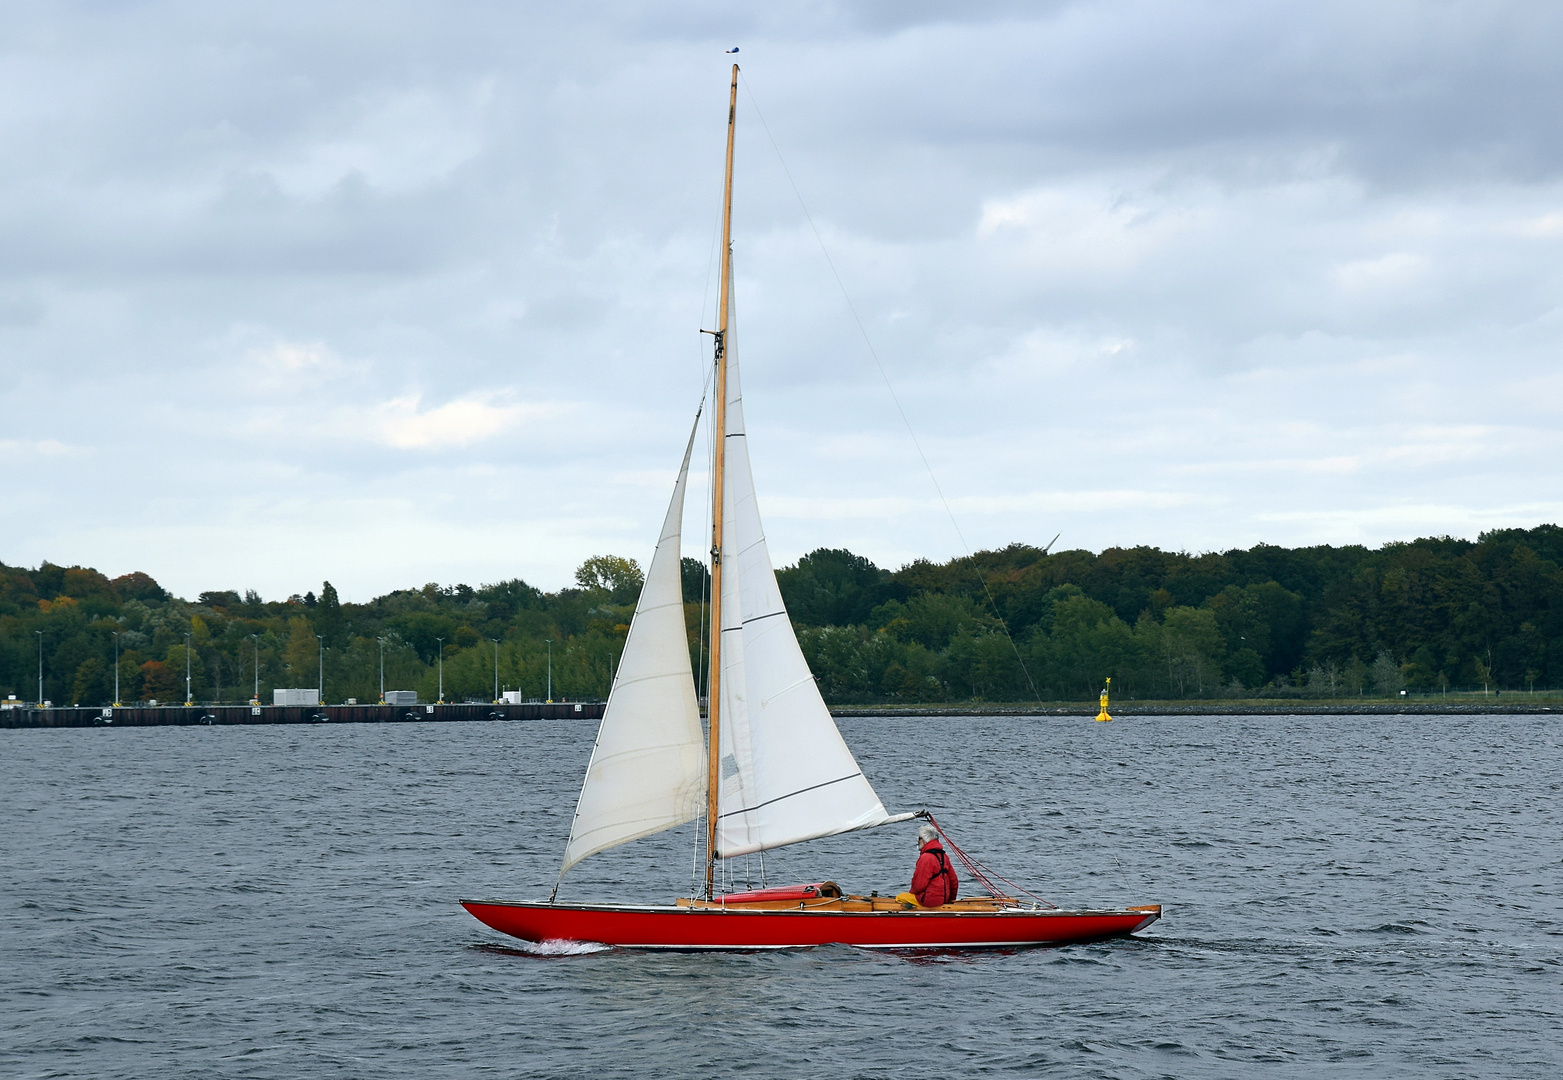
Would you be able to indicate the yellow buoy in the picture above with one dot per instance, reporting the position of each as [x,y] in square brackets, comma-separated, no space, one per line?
[1101,716]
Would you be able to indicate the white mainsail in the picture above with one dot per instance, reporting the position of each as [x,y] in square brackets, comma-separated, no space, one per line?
[786,773]
[648,769]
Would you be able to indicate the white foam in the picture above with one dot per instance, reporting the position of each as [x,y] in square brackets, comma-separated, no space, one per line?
[561,947]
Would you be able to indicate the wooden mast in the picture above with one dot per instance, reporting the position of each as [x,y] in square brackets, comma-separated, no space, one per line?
[718,472]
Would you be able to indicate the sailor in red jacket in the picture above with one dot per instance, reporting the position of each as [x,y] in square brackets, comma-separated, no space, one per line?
[933,881]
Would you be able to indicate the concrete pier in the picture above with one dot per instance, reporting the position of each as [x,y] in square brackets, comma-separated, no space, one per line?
[190,715]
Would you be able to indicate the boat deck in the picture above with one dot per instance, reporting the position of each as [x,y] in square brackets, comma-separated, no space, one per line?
[852,904]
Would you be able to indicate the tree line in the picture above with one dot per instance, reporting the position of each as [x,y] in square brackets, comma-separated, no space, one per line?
[1014,624]
[1325,621]
[476,641]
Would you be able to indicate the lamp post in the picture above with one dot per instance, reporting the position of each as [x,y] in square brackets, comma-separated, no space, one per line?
[550,669]
[441,700]
[382,671]
[116,669]
[188,699]
[496,669]
[321,678]
[40,667]
[256,699]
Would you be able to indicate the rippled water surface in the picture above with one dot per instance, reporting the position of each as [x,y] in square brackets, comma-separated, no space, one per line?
[1345,896]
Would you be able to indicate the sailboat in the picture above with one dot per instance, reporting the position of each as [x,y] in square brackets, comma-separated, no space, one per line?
[769,769]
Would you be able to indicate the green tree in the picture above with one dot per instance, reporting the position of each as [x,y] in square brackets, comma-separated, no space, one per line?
[832,587]
[92,684]
[1187,645]
[1356,677]
[1088,643]
[932,620]
[1325,680]
[983,665]
[302,653]
[129,675]
[696,580]
[1387,679]
[424,629]
[175,661]
[621,578]
[328,615]
[1262,630]
[1440,604]
[835,655]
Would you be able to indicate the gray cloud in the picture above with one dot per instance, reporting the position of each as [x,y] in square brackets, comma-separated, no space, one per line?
[389,292]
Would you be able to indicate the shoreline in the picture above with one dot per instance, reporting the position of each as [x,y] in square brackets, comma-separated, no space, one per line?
[1207,708]
[75,716]
[225,715]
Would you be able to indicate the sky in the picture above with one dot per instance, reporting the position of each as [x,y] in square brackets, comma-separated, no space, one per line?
[401,292]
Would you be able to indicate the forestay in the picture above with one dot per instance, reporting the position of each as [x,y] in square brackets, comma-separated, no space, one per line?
[787,775]
[648,769]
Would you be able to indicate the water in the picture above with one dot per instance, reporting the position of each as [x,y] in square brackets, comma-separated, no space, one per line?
[1345,896]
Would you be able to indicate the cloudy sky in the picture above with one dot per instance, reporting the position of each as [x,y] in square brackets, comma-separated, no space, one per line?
[402,292]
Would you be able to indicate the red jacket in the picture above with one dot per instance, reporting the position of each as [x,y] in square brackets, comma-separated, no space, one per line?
[934,881]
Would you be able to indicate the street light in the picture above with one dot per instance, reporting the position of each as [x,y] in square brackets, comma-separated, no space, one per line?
[550,670]
[188,699]
[442,670]
[320,694]
[496,669]
[116,669]
[382,670]
[40,667]
[256,699]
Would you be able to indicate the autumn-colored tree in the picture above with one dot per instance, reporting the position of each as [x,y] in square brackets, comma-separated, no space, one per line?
[82,582]
[138,586]
[159,682]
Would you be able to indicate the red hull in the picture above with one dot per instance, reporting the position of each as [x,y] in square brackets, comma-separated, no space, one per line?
[700,928]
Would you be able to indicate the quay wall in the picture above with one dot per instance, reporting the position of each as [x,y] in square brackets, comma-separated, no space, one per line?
[188,715]
[184,716]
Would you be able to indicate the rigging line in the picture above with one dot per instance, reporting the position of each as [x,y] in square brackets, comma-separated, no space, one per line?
[694,862]
[709,374]
[705,589]
[702,673]
[863,330]
[981,872]
[705,576]
[1122,877]
[705,292]
[712,437]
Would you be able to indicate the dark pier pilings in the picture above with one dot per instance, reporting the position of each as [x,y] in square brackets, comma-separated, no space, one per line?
[189,715]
